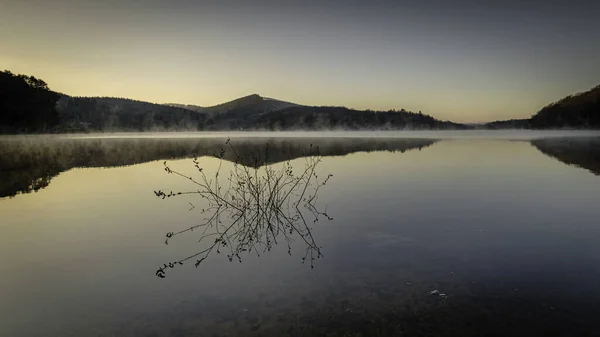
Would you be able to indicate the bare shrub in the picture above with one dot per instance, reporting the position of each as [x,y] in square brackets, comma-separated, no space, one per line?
[256,208]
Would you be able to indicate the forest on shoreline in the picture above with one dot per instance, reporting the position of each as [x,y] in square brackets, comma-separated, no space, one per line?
[28,105]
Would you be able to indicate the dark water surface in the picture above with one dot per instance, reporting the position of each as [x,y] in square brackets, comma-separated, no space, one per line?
[433,234]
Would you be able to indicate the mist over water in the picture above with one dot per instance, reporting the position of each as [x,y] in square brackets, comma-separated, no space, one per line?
[437,134]
[503,224]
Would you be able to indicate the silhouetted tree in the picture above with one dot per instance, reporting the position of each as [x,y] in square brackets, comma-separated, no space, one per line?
[26,104]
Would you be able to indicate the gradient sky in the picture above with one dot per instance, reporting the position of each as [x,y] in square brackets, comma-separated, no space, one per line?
[463,60]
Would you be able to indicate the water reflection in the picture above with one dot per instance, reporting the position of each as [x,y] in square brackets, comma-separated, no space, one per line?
[580,152]
[28,164]
[253,209]
[508,234]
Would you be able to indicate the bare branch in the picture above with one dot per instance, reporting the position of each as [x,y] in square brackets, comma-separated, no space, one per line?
[259,206]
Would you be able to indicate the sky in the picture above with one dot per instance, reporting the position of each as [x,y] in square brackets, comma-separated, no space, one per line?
[461,60]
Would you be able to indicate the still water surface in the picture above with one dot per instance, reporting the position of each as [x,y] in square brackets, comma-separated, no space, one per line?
[505,227]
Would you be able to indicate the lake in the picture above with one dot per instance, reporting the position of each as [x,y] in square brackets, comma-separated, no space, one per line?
[472,233]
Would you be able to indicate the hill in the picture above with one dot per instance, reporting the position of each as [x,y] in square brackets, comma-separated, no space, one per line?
[325,118]
[28,106]
[121,114]
[509,124]
[579,111]
[251,112]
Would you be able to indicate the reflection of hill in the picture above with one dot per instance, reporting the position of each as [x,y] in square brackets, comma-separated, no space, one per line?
[581,152]
[28,164]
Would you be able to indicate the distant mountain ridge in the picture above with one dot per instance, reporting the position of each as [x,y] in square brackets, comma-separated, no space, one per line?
[268,105]
[252,112]
[29,106]
[256,102]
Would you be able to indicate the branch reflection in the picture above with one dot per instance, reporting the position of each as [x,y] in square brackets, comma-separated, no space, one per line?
[255,208]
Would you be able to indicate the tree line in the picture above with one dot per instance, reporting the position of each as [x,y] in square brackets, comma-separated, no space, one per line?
[29,106]
[26,104]
[579,111]
[574,111]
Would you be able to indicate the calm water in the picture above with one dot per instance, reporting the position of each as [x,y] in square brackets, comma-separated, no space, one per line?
[504,224]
